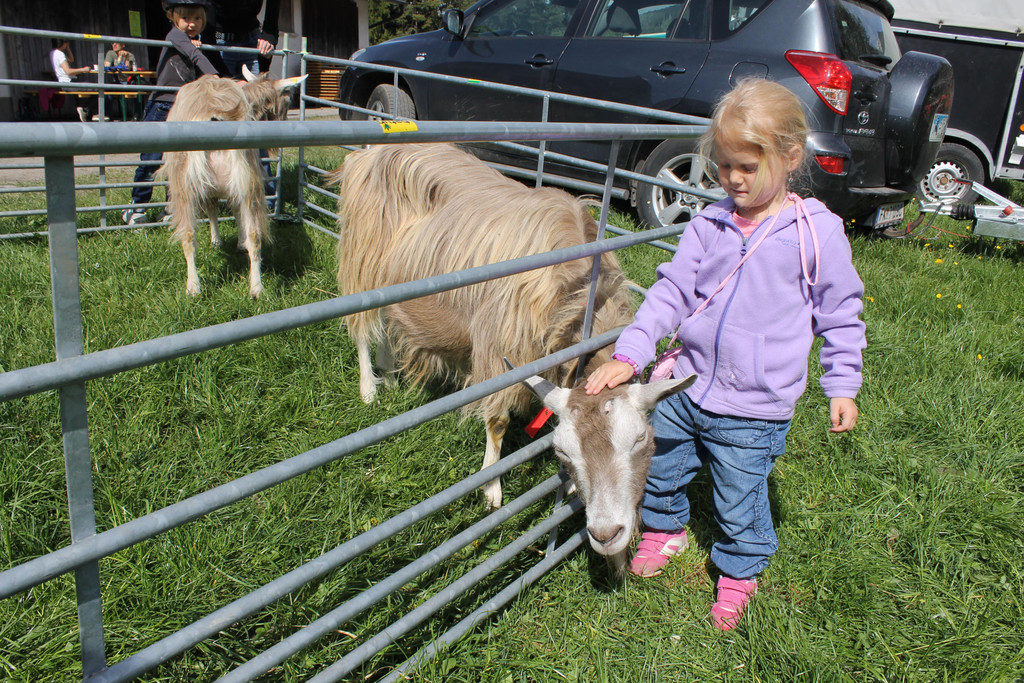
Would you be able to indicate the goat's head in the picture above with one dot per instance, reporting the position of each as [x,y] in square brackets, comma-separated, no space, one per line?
[269,98]
[606,443]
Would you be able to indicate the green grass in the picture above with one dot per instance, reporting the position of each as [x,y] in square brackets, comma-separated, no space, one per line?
[900,543]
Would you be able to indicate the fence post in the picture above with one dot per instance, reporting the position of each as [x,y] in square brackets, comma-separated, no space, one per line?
[300,171]
[544,109]
[67,330]
[101,117]
[609,181]
[280,151]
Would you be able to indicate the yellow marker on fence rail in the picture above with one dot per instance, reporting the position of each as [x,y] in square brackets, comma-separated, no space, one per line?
[398,126]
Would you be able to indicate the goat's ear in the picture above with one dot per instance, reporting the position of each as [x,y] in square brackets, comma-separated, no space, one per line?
[553,397]
[645,396]
[248,74]
[285,83]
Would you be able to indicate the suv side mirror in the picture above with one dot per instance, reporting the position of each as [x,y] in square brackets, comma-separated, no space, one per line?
[453,21]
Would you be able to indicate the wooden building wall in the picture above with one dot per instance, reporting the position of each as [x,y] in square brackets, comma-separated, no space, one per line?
[331,28]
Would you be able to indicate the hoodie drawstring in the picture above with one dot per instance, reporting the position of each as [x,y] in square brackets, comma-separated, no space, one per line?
[803,217]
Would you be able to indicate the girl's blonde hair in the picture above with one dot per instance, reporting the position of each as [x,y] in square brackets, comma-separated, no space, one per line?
[762,114]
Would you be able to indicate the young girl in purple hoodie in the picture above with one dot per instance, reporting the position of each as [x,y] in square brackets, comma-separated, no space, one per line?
[756,277]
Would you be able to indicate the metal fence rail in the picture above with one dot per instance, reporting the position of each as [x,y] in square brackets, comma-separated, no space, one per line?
[58,144]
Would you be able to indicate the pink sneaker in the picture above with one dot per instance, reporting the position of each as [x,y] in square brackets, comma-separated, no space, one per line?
[655,550]
[733,595]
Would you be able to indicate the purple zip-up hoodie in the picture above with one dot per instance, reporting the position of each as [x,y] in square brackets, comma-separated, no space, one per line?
[749,346]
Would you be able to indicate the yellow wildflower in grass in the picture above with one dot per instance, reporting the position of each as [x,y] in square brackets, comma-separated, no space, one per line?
[951,245]
[979,356]
[870,298]
[959,305]
[999,246]
[938,260]
[938,296]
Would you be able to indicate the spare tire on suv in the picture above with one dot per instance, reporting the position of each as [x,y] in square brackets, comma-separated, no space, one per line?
[918,113]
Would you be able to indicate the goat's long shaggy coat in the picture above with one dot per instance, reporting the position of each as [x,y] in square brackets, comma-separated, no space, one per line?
[410,211]
[197,180]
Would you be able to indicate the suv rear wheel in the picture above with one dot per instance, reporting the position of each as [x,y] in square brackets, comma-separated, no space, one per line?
[676,161]
[387,99]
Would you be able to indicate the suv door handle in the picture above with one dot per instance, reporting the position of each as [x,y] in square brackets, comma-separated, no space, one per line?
[539,60]
[865,97]
[667,69]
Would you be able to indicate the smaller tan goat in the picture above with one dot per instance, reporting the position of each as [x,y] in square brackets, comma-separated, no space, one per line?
[197,180]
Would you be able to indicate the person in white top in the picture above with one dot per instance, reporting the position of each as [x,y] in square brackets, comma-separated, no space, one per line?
[61,59]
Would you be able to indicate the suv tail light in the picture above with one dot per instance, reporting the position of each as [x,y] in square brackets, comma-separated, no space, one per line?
[827,74]
[830,164]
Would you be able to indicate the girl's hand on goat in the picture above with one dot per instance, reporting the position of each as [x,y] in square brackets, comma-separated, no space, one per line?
[611,374]
[843,414]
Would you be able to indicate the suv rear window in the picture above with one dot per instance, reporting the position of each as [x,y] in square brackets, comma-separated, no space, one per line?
[863,32]
[742,11]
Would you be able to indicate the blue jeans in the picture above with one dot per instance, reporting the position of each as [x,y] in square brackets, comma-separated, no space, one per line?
[156,110]
[234,60]
[741,452]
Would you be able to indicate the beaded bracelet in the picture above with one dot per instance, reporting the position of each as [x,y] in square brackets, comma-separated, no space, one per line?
[627,360]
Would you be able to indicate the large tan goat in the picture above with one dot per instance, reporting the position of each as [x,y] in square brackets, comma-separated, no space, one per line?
[197,180]
[410,211]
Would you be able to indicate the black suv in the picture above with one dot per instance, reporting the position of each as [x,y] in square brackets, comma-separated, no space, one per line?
[876,117]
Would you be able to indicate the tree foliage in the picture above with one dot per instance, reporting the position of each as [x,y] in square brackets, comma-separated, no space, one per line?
[392,19]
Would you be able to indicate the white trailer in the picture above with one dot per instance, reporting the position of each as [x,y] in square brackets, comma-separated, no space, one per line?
[984,41]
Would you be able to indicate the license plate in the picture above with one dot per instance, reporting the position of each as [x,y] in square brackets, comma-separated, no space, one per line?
[888,215]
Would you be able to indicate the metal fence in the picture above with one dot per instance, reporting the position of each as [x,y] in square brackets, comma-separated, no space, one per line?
[58,144]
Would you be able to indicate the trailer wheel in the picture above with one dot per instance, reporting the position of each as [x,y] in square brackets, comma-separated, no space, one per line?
[953,163]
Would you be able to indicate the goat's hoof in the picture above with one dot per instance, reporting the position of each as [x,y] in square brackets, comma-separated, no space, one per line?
[492,495]
[368,396]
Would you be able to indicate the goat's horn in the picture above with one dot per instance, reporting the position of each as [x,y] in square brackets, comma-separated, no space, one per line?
[248,74]
[290,82]
[551,396]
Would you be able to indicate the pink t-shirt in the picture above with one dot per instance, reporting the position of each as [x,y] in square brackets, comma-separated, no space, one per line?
[747,227]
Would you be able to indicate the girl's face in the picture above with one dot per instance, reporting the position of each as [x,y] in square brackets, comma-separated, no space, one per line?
[190,19]
[738,168]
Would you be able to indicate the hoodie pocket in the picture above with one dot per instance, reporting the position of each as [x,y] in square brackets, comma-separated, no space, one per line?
[741,368]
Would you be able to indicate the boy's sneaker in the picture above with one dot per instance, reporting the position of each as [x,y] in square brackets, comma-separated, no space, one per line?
[654,551]
[84,115]
[733,595]
[131,217]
